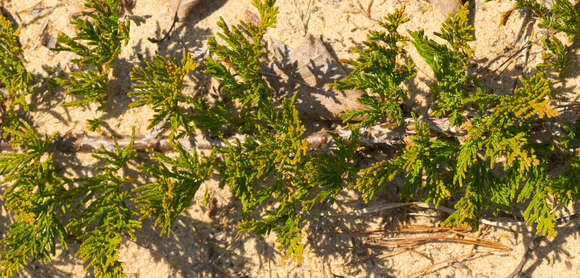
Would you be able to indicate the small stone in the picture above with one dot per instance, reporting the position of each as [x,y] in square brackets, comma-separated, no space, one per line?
[446,7]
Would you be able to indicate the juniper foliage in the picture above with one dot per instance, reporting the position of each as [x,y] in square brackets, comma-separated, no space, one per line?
[240,69]
[426,164]
[160,84]
[275,177]
[33,194]
[102,212]
[31,187]
[504,133]
[561,17]
[271,171]
[176,181]
[94,125]
[13,75]
[271,168]
[434,169]
[97,44]
[380,69]
[448,62]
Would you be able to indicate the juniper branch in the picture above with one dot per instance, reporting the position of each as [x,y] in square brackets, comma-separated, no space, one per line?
[13,75]
[33,194]
[97,44]
[103,213]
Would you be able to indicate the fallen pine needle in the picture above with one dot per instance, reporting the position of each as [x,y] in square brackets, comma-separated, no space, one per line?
[414,229]
[30,8]
[421,254]
[442,238]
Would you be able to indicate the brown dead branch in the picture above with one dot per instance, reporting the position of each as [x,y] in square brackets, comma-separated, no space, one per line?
[421,254]
[384,134]
[441,234]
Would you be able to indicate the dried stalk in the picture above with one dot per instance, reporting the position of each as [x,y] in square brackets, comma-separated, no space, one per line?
[414,229]
[445,237]
[304,15]
[383,134]
[402,250]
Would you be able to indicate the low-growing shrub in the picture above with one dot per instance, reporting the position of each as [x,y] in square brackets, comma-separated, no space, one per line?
[491,162]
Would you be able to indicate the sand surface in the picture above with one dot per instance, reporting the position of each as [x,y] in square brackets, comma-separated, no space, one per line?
[205,242]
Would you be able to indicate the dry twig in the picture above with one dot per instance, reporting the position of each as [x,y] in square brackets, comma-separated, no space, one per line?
[366,11]
[304,15]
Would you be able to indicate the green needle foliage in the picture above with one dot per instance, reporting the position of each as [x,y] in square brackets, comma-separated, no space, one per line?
[104,214]
[240,69]
[566,187]
[498,164]
[449,63]
[94,125]
[33,194]
[159,84]
[97,44]
[504,134]
[176,181]
[275,178]
[561,18]
[271,171]
[426,164]
[380,69]
[13,74]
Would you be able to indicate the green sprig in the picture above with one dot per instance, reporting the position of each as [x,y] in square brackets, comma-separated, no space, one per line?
[380,70]
[97,44]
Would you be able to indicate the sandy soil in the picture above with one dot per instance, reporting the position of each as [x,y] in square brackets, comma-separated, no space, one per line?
[204,242]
